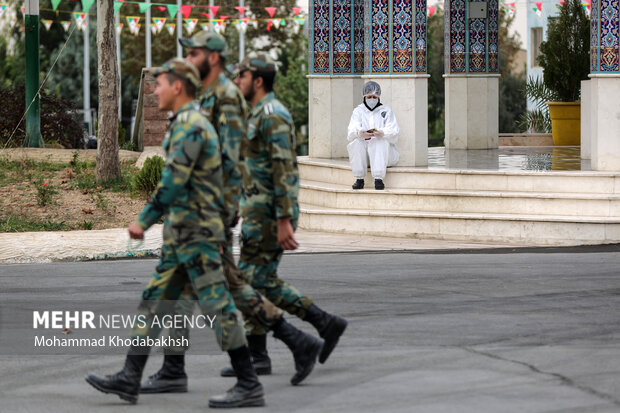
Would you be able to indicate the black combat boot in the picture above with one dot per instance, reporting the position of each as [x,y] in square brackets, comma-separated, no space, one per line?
[329,326]
[247,392]
[260,357]
[359,184]
[125,383]
[305,348]
[379,184]
[171,378]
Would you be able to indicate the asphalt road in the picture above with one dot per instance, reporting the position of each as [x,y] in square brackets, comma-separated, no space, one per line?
[523,332]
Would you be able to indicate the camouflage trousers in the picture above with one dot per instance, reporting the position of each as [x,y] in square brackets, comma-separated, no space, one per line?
[256,309]
[197,267]
[260,257]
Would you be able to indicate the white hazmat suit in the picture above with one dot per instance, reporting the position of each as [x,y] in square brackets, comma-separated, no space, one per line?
[380,150]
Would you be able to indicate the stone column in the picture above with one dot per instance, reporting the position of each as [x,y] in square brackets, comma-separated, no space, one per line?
[352,42]
[605,85]
[472,74]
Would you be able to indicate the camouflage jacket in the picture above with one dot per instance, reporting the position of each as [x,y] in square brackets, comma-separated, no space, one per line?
[269,163]
[223,104]
[190,190]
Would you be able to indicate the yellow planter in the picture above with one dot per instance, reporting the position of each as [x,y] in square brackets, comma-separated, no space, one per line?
[565,123]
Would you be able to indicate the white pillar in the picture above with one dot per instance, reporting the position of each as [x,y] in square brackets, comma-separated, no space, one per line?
[117,20]
[148,35]
[86,79]
[333,98]
[241,37]
[586,108]
[472,112]
[331,102]
[605,122]
[179,29]
[407,96]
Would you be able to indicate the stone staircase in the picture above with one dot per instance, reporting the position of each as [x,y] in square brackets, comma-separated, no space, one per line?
[517,207]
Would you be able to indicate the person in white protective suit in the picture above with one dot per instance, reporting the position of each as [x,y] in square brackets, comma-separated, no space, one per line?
[372,135]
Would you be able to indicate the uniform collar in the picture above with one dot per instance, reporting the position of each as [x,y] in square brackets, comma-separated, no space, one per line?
[266,99]
[184,108]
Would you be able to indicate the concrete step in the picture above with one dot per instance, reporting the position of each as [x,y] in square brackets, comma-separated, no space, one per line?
[338,171]
[473,227]
[337,196]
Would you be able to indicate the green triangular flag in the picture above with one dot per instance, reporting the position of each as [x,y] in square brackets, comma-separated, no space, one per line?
[172,9]
[117,6]
[144,7]
[86,5]
[55,4]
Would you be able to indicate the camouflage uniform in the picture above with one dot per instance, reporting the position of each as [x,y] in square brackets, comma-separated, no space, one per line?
[190,193]
[225,107]
[270,186]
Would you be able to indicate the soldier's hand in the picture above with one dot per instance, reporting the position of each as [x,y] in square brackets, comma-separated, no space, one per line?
[286,235]
[135,232]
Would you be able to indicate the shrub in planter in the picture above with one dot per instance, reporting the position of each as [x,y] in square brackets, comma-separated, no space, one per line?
[564,57]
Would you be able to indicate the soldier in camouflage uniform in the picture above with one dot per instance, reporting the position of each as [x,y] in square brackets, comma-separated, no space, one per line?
[269,208]
[222,103]
[189,195]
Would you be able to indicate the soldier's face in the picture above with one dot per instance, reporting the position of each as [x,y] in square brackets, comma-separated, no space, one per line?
[246,84]
[199,57]
[165,92]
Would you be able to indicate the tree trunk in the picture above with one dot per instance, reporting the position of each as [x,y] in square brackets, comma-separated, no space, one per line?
[108,164]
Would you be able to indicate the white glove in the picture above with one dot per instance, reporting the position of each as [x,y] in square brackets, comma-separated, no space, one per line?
[365,135]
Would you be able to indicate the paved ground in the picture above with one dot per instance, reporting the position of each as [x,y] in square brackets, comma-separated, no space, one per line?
[476,332]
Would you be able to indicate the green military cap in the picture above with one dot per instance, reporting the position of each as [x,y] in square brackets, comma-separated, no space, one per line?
[179,67]
[209,40]
[257,62]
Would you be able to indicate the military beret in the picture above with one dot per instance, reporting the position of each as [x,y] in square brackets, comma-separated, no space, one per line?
[207,39]
[257,62]
[179,67]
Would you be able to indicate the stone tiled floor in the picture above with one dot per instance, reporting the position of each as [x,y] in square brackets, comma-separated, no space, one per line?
[510,158]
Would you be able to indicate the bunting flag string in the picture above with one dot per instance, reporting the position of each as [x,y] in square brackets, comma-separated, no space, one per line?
[213,22]
[47,24]
[186,11]
[158,23]
[119,28]
[170,27]
[190,25]
[80,20]
[538,8]
[86,5]
[134,24]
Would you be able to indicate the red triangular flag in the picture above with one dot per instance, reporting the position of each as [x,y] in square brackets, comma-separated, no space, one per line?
[269,23]
[539,5]
[186,11]
[271,11]
[214,10]
[224,17]
[207,15]
[161,8]
[296,10]
[241,10]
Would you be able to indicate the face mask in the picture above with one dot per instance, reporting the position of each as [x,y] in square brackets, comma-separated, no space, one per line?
[371,103]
